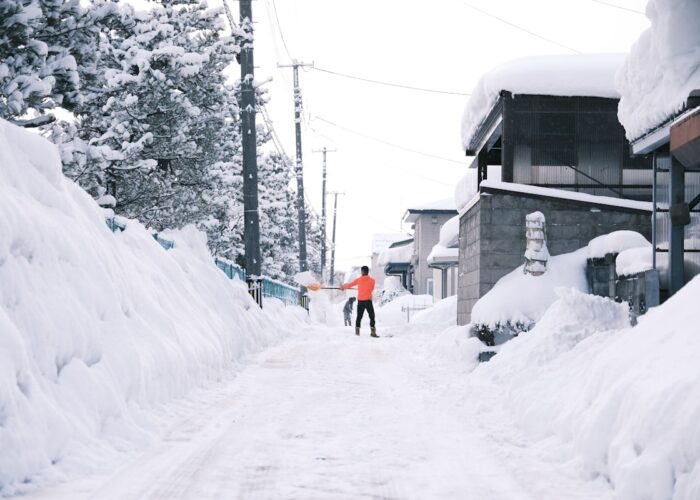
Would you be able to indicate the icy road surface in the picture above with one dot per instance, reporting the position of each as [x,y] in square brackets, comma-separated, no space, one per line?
[328,415]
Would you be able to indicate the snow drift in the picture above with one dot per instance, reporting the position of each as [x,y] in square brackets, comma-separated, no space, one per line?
[626,398]
[97,328]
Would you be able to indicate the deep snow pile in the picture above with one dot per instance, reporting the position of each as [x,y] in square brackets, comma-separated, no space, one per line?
[442,313]
[560,75]
[402,309]
[626,399]
[98,328]
[519,300]
[663,66]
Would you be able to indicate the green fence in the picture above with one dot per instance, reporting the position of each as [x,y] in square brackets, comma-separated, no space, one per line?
[288,294]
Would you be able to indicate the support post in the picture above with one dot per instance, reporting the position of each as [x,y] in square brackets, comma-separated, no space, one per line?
[299,170]
[335,212]
[323,208]
[676,188]
[251,219]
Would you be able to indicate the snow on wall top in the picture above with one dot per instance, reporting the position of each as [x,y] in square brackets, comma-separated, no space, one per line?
[590,75]
[568,195]
[662,68]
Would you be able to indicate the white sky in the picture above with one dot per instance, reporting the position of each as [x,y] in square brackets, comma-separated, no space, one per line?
[441,44]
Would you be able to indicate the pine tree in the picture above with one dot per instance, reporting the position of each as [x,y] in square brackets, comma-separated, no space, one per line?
[42,43]
[161,117]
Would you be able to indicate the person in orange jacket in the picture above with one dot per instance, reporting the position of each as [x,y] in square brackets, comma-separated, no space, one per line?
[365,287]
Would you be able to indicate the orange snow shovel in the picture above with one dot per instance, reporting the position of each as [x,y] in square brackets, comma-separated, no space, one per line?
[315,287]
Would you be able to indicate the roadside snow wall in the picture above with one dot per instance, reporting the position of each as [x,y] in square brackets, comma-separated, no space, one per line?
[627,399]
[98,328]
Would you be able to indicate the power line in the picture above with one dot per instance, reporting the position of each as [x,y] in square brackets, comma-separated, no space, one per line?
[369,80]
[279,28]
[619,7]
[521,28]
[387,142]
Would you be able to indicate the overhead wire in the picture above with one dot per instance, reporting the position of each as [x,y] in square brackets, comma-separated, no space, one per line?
[279,28]
[619,7]
[389,84]
[516,26]
[382,141]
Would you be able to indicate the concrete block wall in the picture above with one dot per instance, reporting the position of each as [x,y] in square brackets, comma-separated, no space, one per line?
[492,236]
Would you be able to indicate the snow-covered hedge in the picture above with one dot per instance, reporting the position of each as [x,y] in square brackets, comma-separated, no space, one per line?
[97,328]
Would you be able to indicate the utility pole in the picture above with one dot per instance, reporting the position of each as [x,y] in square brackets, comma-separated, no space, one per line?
[335,212]
[323,207]
[299,170]
[251,219]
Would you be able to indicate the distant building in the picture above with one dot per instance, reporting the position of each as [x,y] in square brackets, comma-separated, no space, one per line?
[397,261]
[549,126]
[381,242]
[426,221]
[444,260]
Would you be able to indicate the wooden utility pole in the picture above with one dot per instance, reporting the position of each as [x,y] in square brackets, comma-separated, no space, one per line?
[251,219]
[299,170]
[323,207]
[335,212]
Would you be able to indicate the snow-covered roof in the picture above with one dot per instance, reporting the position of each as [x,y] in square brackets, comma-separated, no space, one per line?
[589,75]
[662,68]
[449,233]
[467,187]
[444,205]
[382,241]
[396,255]
[442,254]
[567,195]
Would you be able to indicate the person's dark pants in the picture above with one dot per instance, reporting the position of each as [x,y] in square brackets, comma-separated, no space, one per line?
[363,305]
[348,319]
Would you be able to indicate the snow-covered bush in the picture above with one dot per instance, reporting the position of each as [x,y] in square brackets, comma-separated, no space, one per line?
[391,290]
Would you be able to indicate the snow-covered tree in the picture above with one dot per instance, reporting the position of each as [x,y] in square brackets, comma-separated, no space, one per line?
[157,127]
[42,45]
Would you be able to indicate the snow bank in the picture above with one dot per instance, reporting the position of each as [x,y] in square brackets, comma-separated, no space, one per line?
[627,400]
[443,313]
[615,242]
[456,347]
[395,313]
[558,75]
[98,328]
[662,68]
[520,298]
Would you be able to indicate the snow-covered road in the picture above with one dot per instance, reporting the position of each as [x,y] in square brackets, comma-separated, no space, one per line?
[328,415]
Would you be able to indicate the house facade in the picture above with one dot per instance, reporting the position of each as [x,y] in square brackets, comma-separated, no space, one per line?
[426,221]
[558,148]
